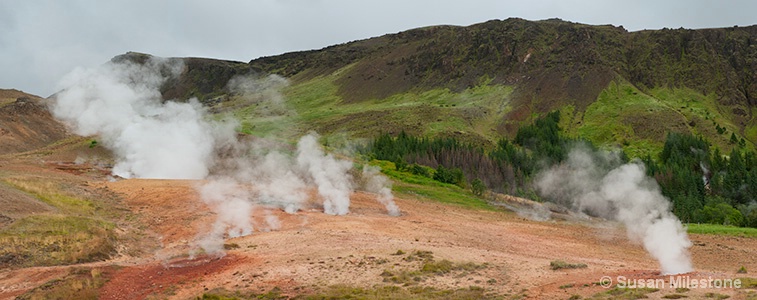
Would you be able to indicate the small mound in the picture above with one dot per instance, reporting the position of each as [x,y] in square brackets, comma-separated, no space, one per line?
[17,204]
[26,124]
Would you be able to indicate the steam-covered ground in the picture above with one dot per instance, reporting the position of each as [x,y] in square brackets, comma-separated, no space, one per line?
[312,250]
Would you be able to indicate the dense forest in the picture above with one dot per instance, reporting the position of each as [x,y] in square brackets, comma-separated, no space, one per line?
[704,185]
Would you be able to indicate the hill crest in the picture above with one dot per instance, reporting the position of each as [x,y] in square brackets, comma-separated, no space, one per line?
[550,64]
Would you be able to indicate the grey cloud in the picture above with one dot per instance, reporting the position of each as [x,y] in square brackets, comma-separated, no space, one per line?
[40,41]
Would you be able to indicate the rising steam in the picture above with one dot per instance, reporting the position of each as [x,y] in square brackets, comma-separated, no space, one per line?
[328,173]
[121,103]
[625,193]
[379,184]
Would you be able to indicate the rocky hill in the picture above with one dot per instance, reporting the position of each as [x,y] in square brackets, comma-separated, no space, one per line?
[613,86]
[25,123]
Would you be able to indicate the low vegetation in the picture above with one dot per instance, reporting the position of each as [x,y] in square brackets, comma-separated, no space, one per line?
[560,265]
[721,230]
[54,240]
[77,230]
[429,267]
[351,292]
[80,283]
[703,185]
[625,293]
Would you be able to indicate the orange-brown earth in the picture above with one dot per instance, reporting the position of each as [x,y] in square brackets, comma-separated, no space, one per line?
[157,257]
[312,250]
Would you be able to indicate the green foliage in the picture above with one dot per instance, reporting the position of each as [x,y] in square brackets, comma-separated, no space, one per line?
[478,187]
[506,168]
[451,176]
[559,265]
[705,186]
[718,212]
[419,170]
[544,138]
[421,187]
[721,230]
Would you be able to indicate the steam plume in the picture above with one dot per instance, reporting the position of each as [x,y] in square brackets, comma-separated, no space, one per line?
[624,193]
[329,174]
[379,184]
[121,103]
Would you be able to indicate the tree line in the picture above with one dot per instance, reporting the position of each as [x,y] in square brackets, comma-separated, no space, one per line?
[507,168]
[704,185]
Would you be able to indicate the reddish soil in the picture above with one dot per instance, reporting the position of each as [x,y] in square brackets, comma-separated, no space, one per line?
[312,250]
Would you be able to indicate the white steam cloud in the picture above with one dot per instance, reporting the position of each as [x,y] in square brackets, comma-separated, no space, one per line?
[121,103]
[626,194]
[379,184]
[331,175]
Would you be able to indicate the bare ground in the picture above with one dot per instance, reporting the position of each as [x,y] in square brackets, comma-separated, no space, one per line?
[312,250]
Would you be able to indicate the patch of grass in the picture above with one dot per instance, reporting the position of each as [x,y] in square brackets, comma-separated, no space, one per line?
[48,191]
[78,284]
[625,293]
[559,265]
[609,120]
[316,104]
[674,296]
[695,106]
[421,187]
[428,268]
[721,230]
[54,239]
[567,286]
[394,292]
[336,292]
[420,255]
[230,246]
[682,290]
[742,270]
[445,266]
[399,252]
[716,296]
[748,283]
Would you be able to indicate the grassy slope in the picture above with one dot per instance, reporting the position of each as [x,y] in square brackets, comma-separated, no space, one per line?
[420,187]
[315,105]
[622,115]
[721,230]
[79,230]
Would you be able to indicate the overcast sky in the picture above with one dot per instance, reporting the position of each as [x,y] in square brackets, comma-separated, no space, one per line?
[40,41]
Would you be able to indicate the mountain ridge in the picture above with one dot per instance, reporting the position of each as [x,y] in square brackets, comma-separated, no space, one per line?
[550,64]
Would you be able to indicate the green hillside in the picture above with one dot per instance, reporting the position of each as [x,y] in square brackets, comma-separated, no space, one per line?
[482,82]
[476,103]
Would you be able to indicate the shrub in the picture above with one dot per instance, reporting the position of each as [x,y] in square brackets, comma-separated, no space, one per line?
[559,264]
